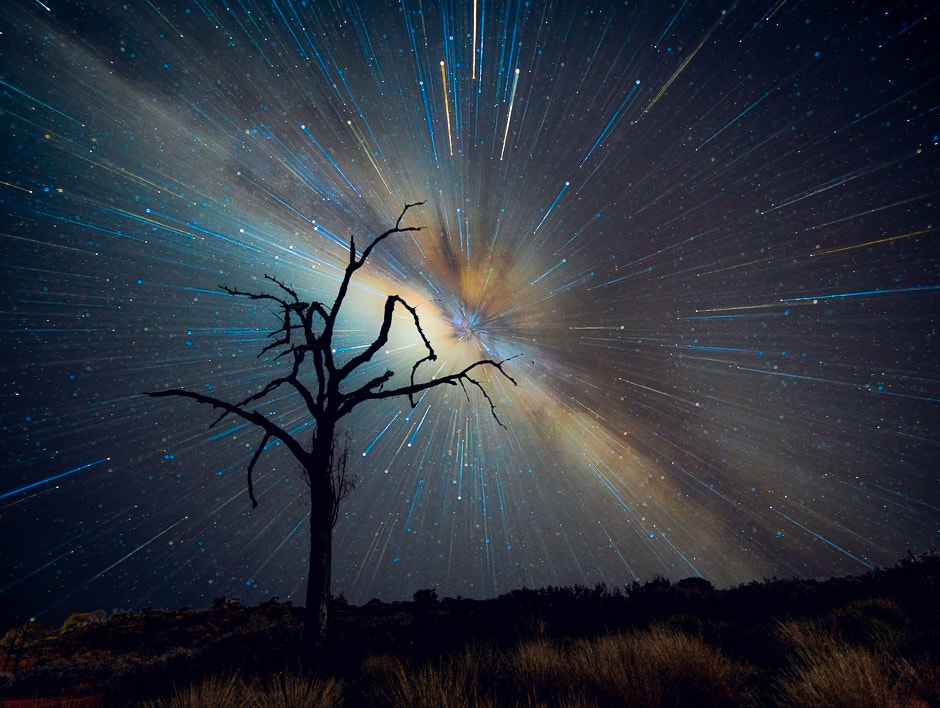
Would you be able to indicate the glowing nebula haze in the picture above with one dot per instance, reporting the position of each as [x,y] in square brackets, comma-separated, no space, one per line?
[705,231]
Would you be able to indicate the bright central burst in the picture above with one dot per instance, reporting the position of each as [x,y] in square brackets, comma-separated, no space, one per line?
[467,325]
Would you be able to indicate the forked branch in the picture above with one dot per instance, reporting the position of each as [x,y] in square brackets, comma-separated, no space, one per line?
[461,378]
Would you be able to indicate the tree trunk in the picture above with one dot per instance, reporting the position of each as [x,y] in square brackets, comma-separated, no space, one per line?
[316,615]
[316,622]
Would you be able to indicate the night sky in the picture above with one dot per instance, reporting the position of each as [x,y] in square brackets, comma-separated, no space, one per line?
[705,231]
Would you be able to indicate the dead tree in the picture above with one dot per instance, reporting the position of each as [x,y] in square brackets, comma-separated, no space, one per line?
[305,338]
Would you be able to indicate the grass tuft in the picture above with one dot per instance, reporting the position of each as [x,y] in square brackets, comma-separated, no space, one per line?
[284,690]
[289,690]
[654,668]
[826,670]
[462,680]
[212,692]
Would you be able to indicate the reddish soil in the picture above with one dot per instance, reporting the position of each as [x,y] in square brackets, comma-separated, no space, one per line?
[61,702]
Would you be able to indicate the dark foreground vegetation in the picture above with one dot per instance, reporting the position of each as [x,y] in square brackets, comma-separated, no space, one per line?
[872,640]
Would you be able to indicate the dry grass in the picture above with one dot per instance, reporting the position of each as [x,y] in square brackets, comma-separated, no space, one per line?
[838,676]
[829,671]
[458,681]
[657,668]
[293,691]
[212,692]
[280,691]
[654,668]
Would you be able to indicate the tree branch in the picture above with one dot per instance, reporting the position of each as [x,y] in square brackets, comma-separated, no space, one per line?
[271,429]
[304,311]
[354,399]
[251,467]
[382,338]
[397,229]
[355,264]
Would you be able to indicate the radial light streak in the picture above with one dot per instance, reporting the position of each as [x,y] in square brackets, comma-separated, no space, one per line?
[450,137]
[137,550]
[162,17]
[685,62]
[550,270]
[512,101]
[567,184]
[33,99]
[610,124]
[671,23]
[360,138]
[307,132]
[473,46]
[680,554]
[875,242]
[696,404]
[22,189]
[860,561]
[378,437]
[414,435]
[734,120]
[53,478]
[837,182]
[861,293]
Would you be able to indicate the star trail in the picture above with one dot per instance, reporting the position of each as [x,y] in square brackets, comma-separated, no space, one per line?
[702,231]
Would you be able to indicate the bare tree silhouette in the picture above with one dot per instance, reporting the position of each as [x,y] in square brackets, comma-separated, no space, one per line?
[305,337]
